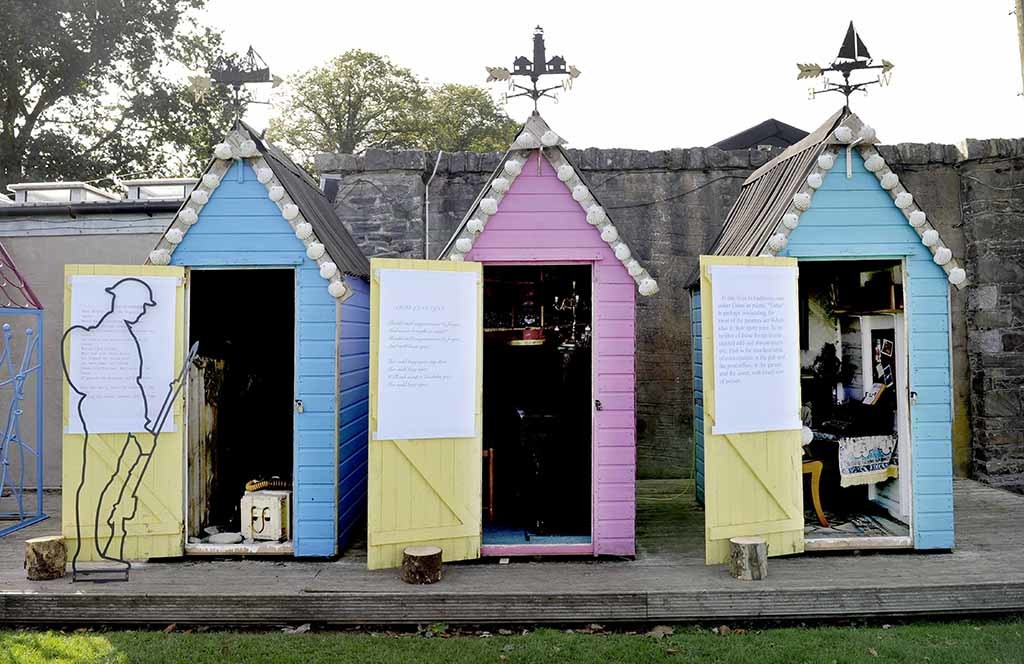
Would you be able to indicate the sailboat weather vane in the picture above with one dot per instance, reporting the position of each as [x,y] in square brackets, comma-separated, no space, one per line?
[853,56]
[234,74]
[535,69]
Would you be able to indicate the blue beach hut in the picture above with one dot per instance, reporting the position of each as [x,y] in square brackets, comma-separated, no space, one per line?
[277,299]
[875,465]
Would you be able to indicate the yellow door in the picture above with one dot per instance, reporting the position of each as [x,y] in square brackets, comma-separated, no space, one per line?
[122,495]
[425,490]
[753,481]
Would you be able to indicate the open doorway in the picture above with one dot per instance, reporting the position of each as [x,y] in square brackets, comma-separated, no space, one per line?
[537,419]
[240,401]
[856,462]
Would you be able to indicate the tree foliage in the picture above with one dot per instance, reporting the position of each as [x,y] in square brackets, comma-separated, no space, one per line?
[86,89]
[362,100]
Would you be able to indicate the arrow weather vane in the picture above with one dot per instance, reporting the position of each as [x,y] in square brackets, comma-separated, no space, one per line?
[853,56]
[251,68]
[539,66]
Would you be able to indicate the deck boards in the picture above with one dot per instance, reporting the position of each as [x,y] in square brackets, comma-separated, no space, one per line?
[668,581]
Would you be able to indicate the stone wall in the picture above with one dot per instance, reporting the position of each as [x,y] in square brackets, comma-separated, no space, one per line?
[669,205]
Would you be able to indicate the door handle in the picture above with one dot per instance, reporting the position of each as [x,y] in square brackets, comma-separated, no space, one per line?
[597,404]
[299,408]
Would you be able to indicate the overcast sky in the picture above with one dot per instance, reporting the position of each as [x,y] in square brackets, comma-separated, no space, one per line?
[661,75]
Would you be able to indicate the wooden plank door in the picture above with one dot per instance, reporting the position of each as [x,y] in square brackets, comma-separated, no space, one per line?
[424,490]
[123,490]
[752,481]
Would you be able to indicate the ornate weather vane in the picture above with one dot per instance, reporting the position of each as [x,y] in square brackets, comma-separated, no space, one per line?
[853,56]
[539,66]
[251,68]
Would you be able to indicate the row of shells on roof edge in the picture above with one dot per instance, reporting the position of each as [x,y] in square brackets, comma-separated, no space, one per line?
[237,147]
[596,215]
[904,200]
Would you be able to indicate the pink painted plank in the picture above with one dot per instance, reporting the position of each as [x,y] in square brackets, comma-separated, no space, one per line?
[617,510]
[615,456]
[614,383]
[612,273]
[530,168]
[526,186]
[624,492]
[617,365]
[545,256]
[614,419]
[618,527]
[616,329]
[531,221]
[615,346]
[541,203]
[615,473]
[616,292]
[616,546]
[499,238]
[614,311]
[497,550]
[609,438]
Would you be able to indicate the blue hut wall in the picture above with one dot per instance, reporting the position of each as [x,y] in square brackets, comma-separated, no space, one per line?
[240,226]
[855,218]
[354,407]
[698,395]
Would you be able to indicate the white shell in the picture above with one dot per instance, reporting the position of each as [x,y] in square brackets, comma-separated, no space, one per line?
[303,230]
[957,276]
[549,138]
[814,180]
[918,218]
[930,238]
[565,172]
[777,242]
[488,206]
[290,211]
[874,163]
[337,288]
[247,148]
[890,180]
[826,161]
[634,268]
[867,134]
[596,215]
[500,185]
[315,251]
[523,141]
[806,436]
[455,258]
[199,196]
[622,252]
[904,200]
[463,245]
[264,175]
[513,167]
[609,234]
[188,216]
[801,201]
[474,225]
[222,151]
[276,193]
[580,193]
[790,220]
[328,269]
[843,134]
[648,286]
[942,256]
[211,180]
[174,236]
[159,257]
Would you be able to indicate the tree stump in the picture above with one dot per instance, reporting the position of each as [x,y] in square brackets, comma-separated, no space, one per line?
[748,558]
[421,564]
[45,558]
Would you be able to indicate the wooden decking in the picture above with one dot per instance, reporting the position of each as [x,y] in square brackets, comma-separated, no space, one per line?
[667,582]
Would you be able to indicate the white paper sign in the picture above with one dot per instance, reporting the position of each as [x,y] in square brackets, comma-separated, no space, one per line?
[121,350]
[757,345]
[429,336]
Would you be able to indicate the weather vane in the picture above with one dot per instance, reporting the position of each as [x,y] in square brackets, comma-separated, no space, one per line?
[853,56]
[539,66]
[251,68]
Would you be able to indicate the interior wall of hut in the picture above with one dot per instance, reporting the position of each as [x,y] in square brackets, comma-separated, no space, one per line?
[244,322]
[537,426]
[853,385]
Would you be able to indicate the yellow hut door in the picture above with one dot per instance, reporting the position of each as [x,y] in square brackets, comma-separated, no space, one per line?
[123,353]
[753,484]
[426,384]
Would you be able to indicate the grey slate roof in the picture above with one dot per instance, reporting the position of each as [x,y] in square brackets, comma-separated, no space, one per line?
[770,132]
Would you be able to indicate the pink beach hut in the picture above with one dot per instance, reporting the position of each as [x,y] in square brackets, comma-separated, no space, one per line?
[559,406]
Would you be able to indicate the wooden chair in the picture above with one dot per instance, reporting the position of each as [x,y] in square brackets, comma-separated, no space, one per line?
[814,468]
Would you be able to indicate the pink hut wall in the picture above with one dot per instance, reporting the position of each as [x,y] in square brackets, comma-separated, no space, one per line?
[539,222]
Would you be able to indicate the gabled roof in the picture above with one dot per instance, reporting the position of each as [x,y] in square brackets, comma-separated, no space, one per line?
[774,196]
[537,135]
[770,132]
[296,194]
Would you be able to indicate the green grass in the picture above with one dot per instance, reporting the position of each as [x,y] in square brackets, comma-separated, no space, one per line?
[993,642]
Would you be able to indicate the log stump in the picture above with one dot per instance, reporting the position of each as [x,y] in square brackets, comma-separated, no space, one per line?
[45,558]
[748,558]
[421,564]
